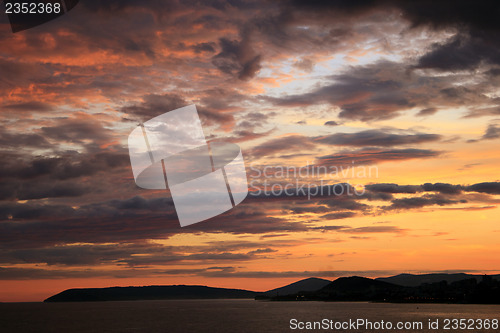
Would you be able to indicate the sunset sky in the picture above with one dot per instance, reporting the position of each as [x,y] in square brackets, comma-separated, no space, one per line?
[406,93]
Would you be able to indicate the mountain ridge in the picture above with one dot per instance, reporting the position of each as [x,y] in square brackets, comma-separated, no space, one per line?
[414,280]
[459,287]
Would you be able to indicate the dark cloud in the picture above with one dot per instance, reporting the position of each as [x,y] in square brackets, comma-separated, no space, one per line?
[204,47]
[14,141]
[237,58]
[478,14]
[492,132]
[139,254]
[346,203]
[68,165]
[464,52]
[291,143]
[31,106]
[17,190]
[29,211]
[211,108]
[443,188]
[155,105]
[446,13]
[245,135]
[375,138]
[254,119]
[331,123]
[385,89]
[374,229]
[367,156]
[11,273]
[20,74]
[210,116]
[420,202]
[77,130]
[307,65]
[131,220]
[364,93]
[338,216]
[487,187]
[427,112]
[393,188]
[474,45]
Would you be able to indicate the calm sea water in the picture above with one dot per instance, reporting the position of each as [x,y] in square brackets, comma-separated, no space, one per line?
[186,316]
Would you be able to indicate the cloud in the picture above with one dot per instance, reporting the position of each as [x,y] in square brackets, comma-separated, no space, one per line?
[140,254]
[443,188]
[14,141]
[211,112]
[374,229]
[204,47]
[65,166]
[12,273]
[364,93]
[17,190]
[367,139]
[427,112]
[385,89]
[331,123]
[492,132]
[29,106]
[363,230]
[420,202]
[375,138]
[447,13]
[337,216]
[486,187]
[77,129]
[245,135]
[155,105]
[367,156]
[393,188]
[237,58]
[290,143]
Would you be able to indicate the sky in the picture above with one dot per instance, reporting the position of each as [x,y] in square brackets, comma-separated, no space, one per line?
[394,104]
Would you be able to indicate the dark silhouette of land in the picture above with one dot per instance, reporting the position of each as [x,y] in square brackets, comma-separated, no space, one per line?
[310,284]
[148,293]
[411,280]
[426,288]
[469,290]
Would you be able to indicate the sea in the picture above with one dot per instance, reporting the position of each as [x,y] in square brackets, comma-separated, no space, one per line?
[244,315]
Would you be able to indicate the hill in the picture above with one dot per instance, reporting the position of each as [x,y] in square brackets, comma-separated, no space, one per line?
[148,293]
[310,284]
[412,280]
[437,288]
[357,288]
